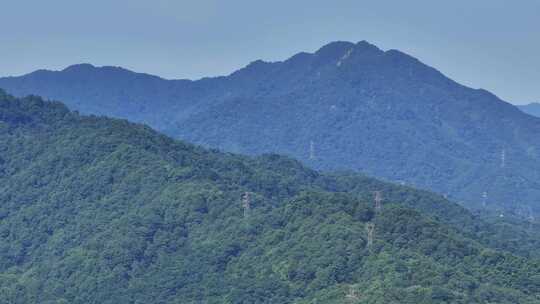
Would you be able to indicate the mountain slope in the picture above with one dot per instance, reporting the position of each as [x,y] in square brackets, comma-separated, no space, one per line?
[346,106]
[532,109]
[96,210]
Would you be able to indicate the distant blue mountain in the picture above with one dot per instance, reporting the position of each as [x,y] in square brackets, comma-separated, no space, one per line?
[348,106]
[532,109]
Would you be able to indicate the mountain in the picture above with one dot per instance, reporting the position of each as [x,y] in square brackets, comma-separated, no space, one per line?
[121,214]
[346,106]
[532,108]
[99,210]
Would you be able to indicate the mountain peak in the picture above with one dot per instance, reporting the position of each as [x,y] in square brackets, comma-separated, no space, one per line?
[335,47]
[79,67]
[340,50]
[364,45]
[340,47]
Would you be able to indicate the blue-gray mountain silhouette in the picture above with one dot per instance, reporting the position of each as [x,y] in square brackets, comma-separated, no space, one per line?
[347,106]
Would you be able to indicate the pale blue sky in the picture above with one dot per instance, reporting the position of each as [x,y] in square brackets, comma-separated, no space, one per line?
[492,44]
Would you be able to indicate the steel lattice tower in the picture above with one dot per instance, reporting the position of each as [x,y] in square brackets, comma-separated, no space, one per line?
[378,200]
[246,203]
[370,228]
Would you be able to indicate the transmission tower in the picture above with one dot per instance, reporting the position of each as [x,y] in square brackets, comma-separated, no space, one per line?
[352,295]
[378,201]
[370,228]
[311,150]
[246,203]
[530,214]
[531,219]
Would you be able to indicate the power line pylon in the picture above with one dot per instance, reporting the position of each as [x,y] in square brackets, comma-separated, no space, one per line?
[370,228]
[352,295]
[246,203]
[378,201]
[530,214]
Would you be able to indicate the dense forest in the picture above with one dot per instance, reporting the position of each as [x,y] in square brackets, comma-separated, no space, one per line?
[347,106]
[100,210]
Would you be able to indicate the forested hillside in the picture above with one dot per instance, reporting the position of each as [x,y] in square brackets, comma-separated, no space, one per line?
[98,210]
[346,106]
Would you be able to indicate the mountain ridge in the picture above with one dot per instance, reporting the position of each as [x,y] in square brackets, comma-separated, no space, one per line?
[336,48]
[345,106]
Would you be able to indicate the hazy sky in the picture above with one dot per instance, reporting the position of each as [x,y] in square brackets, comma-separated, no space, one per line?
[491,44]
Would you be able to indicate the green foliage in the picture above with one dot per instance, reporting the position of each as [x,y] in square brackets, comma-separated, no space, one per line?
[96,210]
